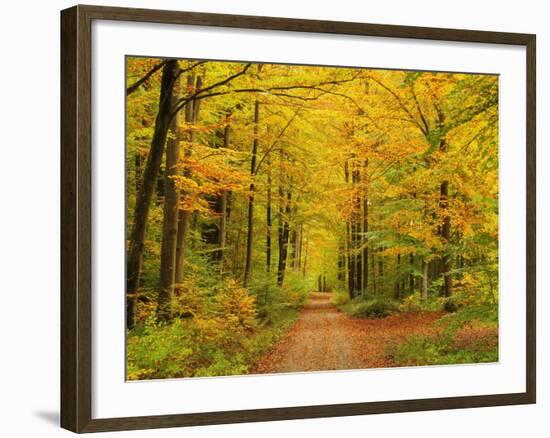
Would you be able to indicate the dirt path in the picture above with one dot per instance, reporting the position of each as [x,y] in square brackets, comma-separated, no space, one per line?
[325,339]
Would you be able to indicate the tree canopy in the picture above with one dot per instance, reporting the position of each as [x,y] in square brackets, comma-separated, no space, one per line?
[257,183]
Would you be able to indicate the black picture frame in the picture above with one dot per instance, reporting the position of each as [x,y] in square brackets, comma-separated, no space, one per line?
[76,218]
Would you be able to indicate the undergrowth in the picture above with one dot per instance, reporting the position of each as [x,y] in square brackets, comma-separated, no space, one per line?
[217,331]
[369,308]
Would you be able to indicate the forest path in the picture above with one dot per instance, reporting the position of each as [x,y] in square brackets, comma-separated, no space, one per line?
[324,338]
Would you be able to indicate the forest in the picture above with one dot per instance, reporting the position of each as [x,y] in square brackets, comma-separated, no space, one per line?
[284,218]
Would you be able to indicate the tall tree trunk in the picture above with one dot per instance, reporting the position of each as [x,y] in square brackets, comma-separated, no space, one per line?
[292,247]
[223,203]
[411,275]
[301,233]
[350,259]
[143,198]
[398,282]
[350,243]
[358,234]
[250,233]
[184,216]
[381,269]
[444,215]
[446,235]
[138,171]
[296,260]
[170,218]
[304,264]
[373,270]
[424,293]
[280,214]
[283,244]
[341,261]
[365,239]
[268,218]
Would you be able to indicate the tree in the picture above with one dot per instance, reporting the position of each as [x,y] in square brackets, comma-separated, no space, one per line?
[143,203]
[250,232]
[170,218]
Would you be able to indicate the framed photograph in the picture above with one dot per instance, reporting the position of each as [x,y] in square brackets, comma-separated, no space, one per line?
[269,218]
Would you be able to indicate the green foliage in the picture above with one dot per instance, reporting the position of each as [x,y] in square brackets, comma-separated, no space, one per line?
[201,347]
[415,303]
[220,328]
[466,316]
[272,299]
[354,177]
[423,350]
[454,343]
[157,351]
[371,308]
[340,297]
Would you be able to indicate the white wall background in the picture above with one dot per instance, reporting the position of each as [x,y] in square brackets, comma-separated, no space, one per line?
[29,216]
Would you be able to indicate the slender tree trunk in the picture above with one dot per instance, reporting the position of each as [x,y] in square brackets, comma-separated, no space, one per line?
[358,234]
[296,260]
[411,275]
[446,219]
[381,270]
[373,270]
[365,239]
[292,245]
[350,260]
[212,231]
[345,256]
[268,218]
[283,245]
[223,205]
[184,215]
[304,264]
[341,261]
[170,219]
[250,234]
[398,282]
[301,234]
[144,197]
[280,220]
[350,243]
[446,235]
[424,292]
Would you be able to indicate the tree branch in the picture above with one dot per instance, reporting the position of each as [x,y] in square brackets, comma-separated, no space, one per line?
[400,102]
[145,78]
[197,95]
[281,133]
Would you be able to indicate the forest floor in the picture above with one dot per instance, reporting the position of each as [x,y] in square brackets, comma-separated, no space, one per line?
[324,338]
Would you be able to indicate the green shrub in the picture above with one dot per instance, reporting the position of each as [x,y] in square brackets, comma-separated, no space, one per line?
[487,314]
[415,303]
[424,350]
[216,331]
[158,350]
[372,308]
[340,297]
[272,299]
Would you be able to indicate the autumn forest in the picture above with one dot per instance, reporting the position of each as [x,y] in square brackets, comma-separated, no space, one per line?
[285,218]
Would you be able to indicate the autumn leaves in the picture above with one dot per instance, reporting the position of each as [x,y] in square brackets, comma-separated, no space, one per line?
[381,181]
